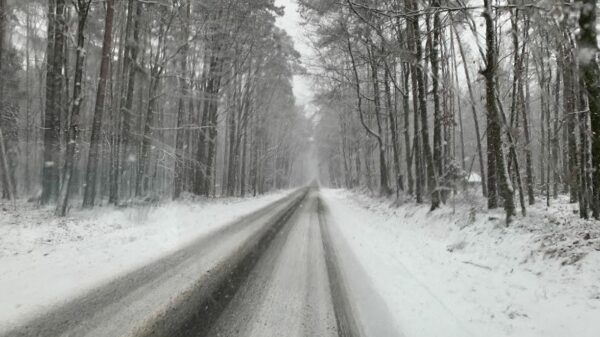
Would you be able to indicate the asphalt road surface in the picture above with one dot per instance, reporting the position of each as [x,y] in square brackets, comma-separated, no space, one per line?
[281,271]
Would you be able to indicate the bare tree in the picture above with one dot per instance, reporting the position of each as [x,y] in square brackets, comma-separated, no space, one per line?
[94,154]
[54,78]
[590,72]
[83,7]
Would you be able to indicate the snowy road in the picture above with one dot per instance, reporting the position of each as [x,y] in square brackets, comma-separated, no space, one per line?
[276,273]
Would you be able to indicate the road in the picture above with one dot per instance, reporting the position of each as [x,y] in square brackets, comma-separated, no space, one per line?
[281,271]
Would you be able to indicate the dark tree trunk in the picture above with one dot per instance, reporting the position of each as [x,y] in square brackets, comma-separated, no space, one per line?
[243,166]
[417,154]
[406,126]
[586,195]
[414,45]
[229,178]
[143,172]
[83,7]
[383,179]
[426,160]
[213,88]
[498,172]
[8,117]
[392,126]
[590,73]
[200,172]
[54,56]
[130,68]
[437,115]
[179,173]
[569,101]
[555,134]
[94,154]
[5,167]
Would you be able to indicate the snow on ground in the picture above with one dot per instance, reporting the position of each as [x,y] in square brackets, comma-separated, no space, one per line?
[46,260]
[464,273]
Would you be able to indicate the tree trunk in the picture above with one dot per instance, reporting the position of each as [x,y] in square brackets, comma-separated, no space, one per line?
[590,73]
[406,127]
[528,159]
[5,168]
[200,173]
[414,46]
[143,173]
[427,160]
[94,154]
[179,173]
[54,57]
[498,171]
[586,196]
[213,93]
[383,179]
[243,166]
[8,116]
[437,115]
[555,134]
[83,7]
[570,99]
[392,126]
[130,68]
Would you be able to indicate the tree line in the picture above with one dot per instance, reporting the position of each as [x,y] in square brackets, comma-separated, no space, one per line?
[416,96]
[113,101]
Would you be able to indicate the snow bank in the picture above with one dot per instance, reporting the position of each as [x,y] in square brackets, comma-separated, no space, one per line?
[465,274]
[46,260]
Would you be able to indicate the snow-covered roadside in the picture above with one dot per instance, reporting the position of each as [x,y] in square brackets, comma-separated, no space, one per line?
[46,260]
[465,274]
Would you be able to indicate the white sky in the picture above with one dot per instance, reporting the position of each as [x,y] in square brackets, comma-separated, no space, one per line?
[290,22]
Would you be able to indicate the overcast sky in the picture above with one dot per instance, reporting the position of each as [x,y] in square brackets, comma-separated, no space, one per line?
[291,23]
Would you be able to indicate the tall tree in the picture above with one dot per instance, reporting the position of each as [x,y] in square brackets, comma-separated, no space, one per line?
[437,114]
[54,79]
[423,132]
[89,196]
[131,68]
[497,170]
[590,72]
[181,111]
[8,110]
[82,8]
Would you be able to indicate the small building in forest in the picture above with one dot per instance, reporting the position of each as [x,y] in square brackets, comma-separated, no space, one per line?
[473,179]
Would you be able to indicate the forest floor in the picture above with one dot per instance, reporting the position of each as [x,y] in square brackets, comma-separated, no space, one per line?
[462,272]
[47,260]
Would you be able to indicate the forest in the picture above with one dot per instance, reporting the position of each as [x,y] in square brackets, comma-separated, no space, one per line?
[122,100]
[116,101]
[415,168]
[444,93]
